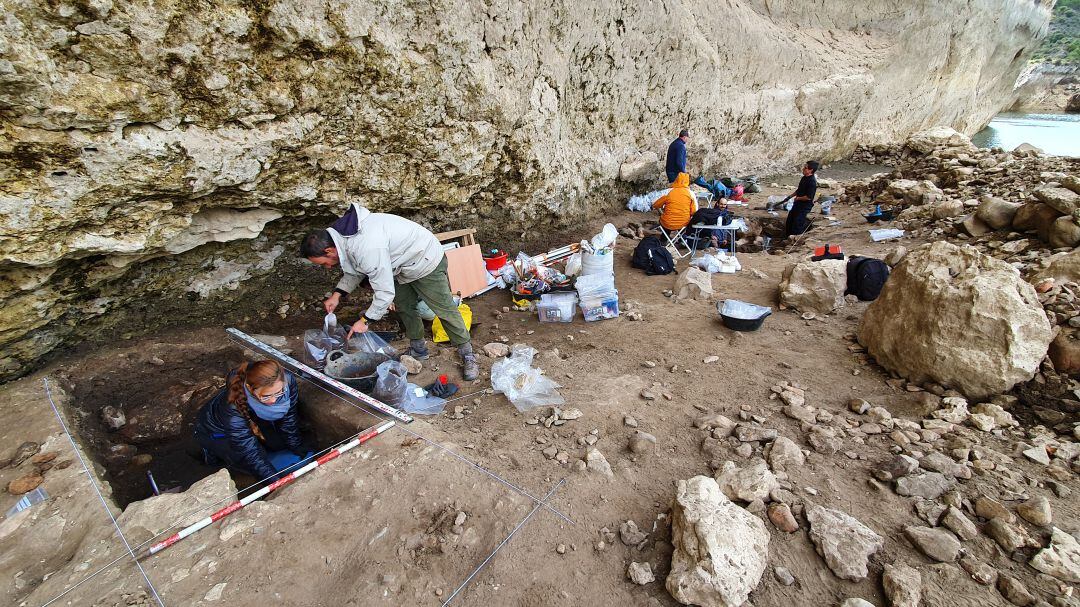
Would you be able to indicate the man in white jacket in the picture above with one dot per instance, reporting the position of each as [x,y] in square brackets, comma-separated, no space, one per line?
[404,263]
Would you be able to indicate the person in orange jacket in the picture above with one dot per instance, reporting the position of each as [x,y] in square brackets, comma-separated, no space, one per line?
[678,205]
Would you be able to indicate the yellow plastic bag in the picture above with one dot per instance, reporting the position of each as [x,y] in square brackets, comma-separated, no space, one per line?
[439,334]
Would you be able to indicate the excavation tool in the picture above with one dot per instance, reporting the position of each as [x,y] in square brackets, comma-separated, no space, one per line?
[359,439]
[316,377]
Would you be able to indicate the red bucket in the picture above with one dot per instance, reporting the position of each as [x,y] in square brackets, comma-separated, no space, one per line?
[495,261]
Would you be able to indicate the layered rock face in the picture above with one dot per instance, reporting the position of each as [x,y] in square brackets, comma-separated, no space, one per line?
[136,130]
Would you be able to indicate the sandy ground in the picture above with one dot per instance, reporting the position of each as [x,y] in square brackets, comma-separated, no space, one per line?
[378,525]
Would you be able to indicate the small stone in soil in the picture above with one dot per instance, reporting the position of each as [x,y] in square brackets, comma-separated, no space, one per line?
[783,576]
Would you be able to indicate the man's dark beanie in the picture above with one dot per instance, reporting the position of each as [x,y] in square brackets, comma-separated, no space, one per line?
[684,133]
[813,165]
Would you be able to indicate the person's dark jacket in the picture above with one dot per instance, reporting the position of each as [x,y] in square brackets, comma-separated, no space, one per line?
[220,422]
[676,159]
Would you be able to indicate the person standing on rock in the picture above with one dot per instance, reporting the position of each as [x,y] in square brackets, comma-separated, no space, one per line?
[798,221]
[676,156]
[404,264]
[252,425]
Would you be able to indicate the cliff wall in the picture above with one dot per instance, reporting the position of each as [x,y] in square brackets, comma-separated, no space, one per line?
[169,150]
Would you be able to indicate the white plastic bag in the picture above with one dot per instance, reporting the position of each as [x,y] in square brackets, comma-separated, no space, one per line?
[523,385]
[707,262]
[573,265]
[885,234]
[605,238]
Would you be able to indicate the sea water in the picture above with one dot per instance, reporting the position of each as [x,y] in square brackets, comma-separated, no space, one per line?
[1057,134]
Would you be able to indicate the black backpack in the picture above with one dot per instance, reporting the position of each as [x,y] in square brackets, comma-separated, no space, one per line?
[865,277]
[651,255]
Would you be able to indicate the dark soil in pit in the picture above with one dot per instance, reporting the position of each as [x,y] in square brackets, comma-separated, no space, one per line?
[160,386]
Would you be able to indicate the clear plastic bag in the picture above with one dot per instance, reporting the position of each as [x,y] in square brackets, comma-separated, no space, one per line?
[319,342]
[392,388]
[370,342]
[525,387]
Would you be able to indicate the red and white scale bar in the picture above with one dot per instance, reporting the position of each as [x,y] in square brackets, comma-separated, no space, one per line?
[359,439]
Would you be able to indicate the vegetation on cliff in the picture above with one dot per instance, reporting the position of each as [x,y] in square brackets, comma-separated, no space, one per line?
[1062,44]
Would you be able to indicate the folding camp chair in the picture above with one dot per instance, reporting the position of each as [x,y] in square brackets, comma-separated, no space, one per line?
[675,239]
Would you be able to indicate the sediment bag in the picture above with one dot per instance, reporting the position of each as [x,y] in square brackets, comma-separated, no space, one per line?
[319,342]
[392,385]
[523,385]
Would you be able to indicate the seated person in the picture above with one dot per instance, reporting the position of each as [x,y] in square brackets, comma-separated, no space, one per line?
[714,215]
[678,205]
[797,220]
[251,425]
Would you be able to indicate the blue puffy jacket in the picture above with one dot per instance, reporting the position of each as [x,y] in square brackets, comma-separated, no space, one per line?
[222,429]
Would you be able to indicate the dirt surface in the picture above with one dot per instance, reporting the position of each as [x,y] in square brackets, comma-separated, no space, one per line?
[378,525]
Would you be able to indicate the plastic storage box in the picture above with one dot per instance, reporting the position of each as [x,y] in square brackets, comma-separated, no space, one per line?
[557,307]
[601,307]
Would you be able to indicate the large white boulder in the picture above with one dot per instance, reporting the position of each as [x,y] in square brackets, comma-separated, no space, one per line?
[720,549]
[938,137]
[845,543]
[951,315]
[814,286]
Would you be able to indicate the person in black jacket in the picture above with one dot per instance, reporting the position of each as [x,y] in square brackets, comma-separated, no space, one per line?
[252,425]
[676,156]
[797,220]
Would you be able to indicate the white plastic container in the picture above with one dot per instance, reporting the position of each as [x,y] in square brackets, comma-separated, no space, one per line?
[557,307]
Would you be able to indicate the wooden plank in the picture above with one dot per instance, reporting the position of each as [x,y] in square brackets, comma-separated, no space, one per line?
[466,235]
[466,270]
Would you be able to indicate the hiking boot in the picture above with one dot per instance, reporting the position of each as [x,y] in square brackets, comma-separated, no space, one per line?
[470,369]
[417,349]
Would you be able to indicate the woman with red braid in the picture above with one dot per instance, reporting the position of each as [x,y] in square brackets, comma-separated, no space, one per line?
[251,426]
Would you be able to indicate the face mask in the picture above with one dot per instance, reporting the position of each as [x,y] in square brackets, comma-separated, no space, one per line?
[269,411]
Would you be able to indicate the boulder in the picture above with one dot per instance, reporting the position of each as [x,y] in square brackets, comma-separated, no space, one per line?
[1035,217]
[915,193]
[640,573]
[1063,200]
[1065,351]
[952,207]
[996,213]
[1072,183]
[937,137]
[974,226]
[844,542]
[1061,558]
[1064,232]
[1063,267]
[954,316]
[903,585]
[720,549]
[814,286]
[752,482]
[894,256]
[937,544]
[785,455]
[693,284]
